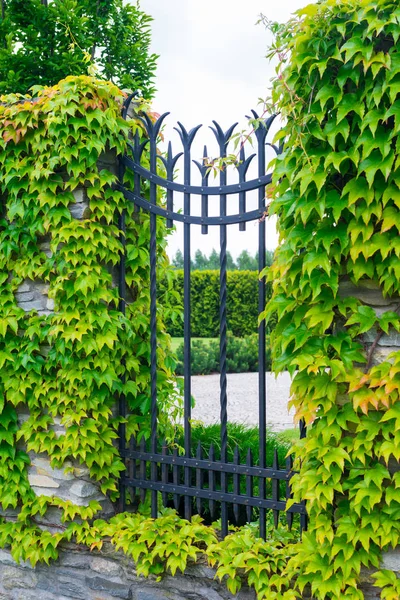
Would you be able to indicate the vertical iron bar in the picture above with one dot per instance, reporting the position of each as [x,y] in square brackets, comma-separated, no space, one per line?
[153,321]
[289,515]
[164,473]
[223,141]
[303,518]
[222,343]
[242,195]
[236,483]
[249,485]
[204,197]
[175,479]
[142,470]
[132,467]
[170,193]
[122,308]
[211,481]
[187,329]
[199,479]
[261,334]
[137,151]
[275,488]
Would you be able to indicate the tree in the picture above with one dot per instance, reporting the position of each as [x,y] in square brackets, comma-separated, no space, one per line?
[178,260]
[230,263]
[42,42]
[269,257]
[245,262]
[200,261]
[213,260]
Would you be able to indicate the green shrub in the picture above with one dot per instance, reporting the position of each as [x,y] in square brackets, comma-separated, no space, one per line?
[245,437]
[242,303]
[242,356]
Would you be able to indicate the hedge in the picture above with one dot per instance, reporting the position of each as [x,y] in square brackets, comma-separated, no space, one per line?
[241,355]
[242,303]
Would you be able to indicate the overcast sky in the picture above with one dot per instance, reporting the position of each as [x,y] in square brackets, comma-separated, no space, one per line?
[212,66]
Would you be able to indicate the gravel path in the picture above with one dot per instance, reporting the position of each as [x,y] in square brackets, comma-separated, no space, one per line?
[243,399]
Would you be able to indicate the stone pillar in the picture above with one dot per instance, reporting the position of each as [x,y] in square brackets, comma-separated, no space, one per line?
[369,293]
[72,482]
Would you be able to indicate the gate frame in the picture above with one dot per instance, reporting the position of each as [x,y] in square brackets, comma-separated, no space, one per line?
[165,465]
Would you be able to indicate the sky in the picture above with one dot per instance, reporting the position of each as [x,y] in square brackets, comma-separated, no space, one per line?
[212,65]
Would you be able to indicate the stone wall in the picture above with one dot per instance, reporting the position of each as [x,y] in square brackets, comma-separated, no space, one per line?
[79,574]
[83,575]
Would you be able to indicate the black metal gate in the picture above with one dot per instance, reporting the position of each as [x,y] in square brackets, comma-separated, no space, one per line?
[152,466]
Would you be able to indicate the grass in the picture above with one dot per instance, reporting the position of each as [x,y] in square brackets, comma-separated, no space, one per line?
[177,341]
[245,438]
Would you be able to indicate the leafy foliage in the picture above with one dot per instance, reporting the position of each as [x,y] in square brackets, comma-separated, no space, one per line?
[241,357]
[263,563]
[336,195]
[68,365]
[242,303]
[44,42]
[168,544]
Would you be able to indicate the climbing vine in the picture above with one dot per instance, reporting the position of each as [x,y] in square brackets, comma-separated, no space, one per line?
[336,283]
[336,194]
[64,366]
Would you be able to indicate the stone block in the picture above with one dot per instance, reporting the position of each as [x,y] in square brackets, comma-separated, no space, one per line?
[71,587]
[380,310]
[14,578]
[367,291]
[79,195]
[6,558]
[381,354]
[59,432]
[84,489]
[25,595]
[32,305]
[24,287]
[75,560]
[391,560]
[81,471]
[246,594]
[42,288]
[50,304]
[114,588]
[24,296]
[106,567]
[388,340]
[42,481]
[60,585]
[45,248]
[43,468]
[78,210]
[149,595]
[43,491]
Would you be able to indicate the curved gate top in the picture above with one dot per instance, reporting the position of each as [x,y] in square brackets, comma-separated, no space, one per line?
[189,477]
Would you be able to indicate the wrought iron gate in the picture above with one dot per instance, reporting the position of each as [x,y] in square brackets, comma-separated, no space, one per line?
[200,479]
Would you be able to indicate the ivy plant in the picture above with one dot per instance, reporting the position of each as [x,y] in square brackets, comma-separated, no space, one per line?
[336,194]
[71,365]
